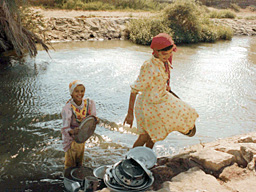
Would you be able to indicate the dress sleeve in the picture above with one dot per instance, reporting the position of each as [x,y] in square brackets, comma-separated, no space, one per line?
[144,79]
[92,108]
[66,115]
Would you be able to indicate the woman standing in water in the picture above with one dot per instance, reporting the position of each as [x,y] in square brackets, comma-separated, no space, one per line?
[157,111]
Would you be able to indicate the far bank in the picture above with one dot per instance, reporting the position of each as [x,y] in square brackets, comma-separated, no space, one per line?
[62,25]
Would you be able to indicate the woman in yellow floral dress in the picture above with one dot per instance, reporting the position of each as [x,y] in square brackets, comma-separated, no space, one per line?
[157,111]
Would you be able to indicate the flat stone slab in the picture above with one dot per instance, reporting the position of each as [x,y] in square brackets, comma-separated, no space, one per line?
[193,180]
[212,159]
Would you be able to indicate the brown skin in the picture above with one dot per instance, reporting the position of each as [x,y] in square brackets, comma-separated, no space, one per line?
[77,95]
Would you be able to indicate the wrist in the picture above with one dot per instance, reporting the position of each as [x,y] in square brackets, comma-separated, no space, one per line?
[130,111]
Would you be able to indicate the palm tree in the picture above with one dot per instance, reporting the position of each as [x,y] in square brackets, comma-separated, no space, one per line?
[13,36]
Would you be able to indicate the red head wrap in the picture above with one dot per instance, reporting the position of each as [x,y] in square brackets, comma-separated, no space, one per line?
[161,41]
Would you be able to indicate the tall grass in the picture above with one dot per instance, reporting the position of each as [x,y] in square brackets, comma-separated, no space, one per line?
[147,5]
[223,14]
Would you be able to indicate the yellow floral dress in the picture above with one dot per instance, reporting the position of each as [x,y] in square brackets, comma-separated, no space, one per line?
[157,111]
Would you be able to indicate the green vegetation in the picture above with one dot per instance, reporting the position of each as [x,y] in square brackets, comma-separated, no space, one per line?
[235,7]
[141,31]
[187,21]
[252,7]
[250,18]
[223,14]
[147,5]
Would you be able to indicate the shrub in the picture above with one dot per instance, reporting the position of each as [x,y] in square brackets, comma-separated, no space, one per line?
[70,4]
[250,18]
[222,14]
[224,32]
[185,19]
[141,31]
[235,7]
[190,23]
[228,14]
[208,34]
[251,7]
[100,4]
[97,6]
[138,4]
[45,3]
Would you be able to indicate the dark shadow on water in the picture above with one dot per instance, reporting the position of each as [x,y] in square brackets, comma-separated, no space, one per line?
[37,186]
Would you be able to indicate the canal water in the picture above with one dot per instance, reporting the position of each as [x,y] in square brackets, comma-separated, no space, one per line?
[218,80]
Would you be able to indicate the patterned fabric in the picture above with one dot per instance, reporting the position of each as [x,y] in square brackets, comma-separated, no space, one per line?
[80,114]
[73,85]
[157,111]
[69,120]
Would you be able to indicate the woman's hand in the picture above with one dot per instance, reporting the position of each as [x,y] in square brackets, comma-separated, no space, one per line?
[129,116]
[128,119]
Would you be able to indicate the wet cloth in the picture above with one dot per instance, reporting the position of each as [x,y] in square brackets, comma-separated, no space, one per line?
[75,155]
[70,121]
[157,111]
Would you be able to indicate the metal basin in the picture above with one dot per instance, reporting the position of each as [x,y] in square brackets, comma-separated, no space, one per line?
[99,172]
[73,178]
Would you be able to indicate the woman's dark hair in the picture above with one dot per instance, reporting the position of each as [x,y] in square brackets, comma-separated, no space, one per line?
[166,48]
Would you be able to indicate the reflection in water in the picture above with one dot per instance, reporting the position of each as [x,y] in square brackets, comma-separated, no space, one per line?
[217,79]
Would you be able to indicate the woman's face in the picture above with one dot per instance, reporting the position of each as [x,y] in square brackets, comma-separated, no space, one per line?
[78,94]
[165,55]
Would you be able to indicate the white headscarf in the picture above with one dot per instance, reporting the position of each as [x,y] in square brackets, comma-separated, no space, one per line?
[73,85]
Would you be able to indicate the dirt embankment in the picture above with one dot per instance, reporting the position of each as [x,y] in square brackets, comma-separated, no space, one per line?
[53,13]
[72,25]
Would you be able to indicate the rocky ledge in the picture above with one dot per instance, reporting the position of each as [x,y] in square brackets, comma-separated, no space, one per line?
[84,28]
[226,165]
[239,26]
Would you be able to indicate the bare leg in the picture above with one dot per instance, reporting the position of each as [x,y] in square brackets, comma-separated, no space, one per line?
[142,139]
[150,144]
